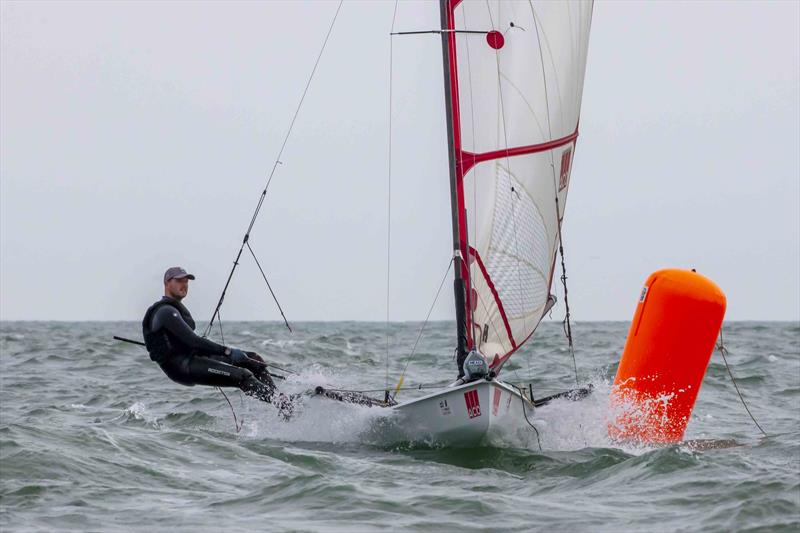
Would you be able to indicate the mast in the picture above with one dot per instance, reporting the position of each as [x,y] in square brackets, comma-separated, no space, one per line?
[459,287]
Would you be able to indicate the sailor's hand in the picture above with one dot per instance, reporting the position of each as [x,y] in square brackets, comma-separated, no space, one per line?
[238,356]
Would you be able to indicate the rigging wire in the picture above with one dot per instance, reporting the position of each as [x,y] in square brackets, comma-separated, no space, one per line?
[421,329]
[272,173]
[439,32]
[389,189]
[723,351]
[255,258]
[221,333]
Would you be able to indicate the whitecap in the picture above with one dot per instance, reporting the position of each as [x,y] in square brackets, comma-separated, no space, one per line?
[281,343]
[137,410]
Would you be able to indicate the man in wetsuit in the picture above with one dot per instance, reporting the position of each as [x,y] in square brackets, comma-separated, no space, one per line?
[190,359]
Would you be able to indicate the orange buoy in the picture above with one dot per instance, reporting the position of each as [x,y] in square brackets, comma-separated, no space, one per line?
[669,345]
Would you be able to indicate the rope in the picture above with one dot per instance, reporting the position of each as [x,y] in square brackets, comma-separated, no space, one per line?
[566,323]
[389,195]
[235,420]
[525,414]
[271,174]
[421,329]
[723,351]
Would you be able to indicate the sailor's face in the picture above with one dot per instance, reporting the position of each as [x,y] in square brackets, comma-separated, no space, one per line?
[178,288]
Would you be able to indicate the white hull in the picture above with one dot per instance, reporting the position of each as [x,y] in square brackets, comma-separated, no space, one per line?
[465,415]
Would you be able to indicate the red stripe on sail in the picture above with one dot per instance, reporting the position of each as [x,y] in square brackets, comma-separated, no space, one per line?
[469,159]
[497,300]
[496,364]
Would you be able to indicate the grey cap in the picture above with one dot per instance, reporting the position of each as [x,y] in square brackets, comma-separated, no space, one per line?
[176,273]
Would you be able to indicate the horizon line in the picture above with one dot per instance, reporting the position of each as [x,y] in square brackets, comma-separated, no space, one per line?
[278,321]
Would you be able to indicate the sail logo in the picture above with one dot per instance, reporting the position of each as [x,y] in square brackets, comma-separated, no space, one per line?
[566,159]
[473,403]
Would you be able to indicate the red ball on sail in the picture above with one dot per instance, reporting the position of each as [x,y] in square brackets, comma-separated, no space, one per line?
[495,39]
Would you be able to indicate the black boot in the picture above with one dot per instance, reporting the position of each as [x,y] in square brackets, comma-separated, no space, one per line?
[258,389]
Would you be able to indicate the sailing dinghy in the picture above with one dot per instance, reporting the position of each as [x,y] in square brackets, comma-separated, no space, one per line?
[513,76]
[513,80]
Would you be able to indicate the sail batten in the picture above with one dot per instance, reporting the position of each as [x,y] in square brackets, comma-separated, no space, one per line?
[515,97]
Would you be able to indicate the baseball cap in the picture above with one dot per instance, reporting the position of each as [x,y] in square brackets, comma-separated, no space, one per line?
[176,273]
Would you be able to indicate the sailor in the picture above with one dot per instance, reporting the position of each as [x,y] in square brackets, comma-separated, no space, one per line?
[190,359]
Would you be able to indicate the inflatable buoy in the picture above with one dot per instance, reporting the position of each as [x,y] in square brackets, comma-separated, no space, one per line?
[669,345]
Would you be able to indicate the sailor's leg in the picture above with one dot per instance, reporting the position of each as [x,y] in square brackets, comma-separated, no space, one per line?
[256,366]
[258,389]
[207,371]
[255,363]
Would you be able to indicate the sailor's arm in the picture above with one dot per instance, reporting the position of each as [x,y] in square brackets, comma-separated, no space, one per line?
[167,317]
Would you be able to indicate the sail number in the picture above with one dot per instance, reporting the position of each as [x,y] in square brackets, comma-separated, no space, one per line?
[566,159]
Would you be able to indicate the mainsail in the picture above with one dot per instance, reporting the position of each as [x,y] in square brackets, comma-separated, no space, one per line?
[514,74]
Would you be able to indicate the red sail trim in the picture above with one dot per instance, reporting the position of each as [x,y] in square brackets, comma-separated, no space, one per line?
[469,159]
[497,300]
[498,364]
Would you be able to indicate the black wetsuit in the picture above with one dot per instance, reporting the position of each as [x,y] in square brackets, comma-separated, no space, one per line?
[189,359]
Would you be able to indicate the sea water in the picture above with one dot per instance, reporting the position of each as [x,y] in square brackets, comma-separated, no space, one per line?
[93,437]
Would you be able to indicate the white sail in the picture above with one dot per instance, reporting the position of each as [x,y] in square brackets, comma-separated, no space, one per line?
[516,107]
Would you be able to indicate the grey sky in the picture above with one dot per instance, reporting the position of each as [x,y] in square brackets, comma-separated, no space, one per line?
[136,136]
